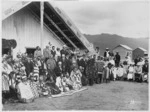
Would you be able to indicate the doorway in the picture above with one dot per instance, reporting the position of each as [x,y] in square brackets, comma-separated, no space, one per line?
[30,51]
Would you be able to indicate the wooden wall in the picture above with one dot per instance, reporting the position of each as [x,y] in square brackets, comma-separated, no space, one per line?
[25,29]
[122,51]
[138,53]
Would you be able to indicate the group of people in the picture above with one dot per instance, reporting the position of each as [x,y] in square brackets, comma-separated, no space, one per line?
[55,71]
[128,69]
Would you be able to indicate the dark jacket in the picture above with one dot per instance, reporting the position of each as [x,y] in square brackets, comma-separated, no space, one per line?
[91,69]
[66,65]
[145,68]
[63,52]
[117,58]
[58,71]
[53,53]
[105,53]
[28,67]
[83,63]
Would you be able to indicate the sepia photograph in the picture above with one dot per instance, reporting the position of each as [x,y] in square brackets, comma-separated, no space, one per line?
[89,55]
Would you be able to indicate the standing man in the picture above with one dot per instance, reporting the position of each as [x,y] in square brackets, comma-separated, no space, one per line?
[37,52]
[64,64]
[46,53]
[90,71]
[51,64]
[53,52]
[107,53]
[28,66]
[63,51]
[100,69]
[83,63]
[117,59]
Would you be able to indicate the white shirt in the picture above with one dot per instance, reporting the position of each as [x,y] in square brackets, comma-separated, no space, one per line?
[107,53]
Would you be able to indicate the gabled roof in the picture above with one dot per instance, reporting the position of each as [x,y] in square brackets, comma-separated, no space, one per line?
[55,20]
[142,49]
[124,46]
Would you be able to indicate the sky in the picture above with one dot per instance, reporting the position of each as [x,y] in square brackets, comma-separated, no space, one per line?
[125,18]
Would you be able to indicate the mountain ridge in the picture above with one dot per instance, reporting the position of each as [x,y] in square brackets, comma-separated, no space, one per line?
[105,40]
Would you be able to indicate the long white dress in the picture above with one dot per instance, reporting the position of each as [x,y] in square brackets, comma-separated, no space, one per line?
[24,90]
[131,73]
[120,72]
[114,71]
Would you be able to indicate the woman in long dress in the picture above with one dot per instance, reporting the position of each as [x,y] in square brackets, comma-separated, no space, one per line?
[24,91]
[7,73]
[131,71]
[120,72]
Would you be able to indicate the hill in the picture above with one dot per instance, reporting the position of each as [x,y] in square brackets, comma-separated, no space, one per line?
[112,40]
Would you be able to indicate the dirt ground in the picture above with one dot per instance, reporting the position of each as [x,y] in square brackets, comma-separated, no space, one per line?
[118,95]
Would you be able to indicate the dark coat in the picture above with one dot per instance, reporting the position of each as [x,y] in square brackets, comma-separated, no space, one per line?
[58,71]
[105,54]
[66,65]
[83,63]
[28,67]
[53,53]
[117,58]
[63,52]
[145,68]
[91,69]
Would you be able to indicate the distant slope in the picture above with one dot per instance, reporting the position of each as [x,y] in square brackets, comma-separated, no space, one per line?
[107,40]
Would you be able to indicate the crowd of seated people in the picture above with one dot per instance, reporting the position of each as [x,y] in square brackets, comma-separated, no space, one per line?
[51,72]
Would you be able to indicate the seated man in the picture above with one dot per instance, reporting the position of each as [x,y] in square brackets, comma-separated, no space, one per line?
[64,83]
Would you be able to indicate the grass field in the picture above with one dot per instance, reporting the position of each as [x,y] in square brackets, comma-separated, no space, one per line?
[118,95]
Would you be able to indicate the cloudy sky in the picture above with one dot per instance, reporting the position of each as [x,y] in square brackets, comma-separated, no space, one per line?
[125,18]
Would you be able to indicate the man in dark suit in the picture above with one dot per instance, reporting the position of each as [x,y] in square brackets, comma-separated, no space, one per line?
[58,69]
[28,66]
[83,63]
[65,64]
[117,59]
[53,52]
